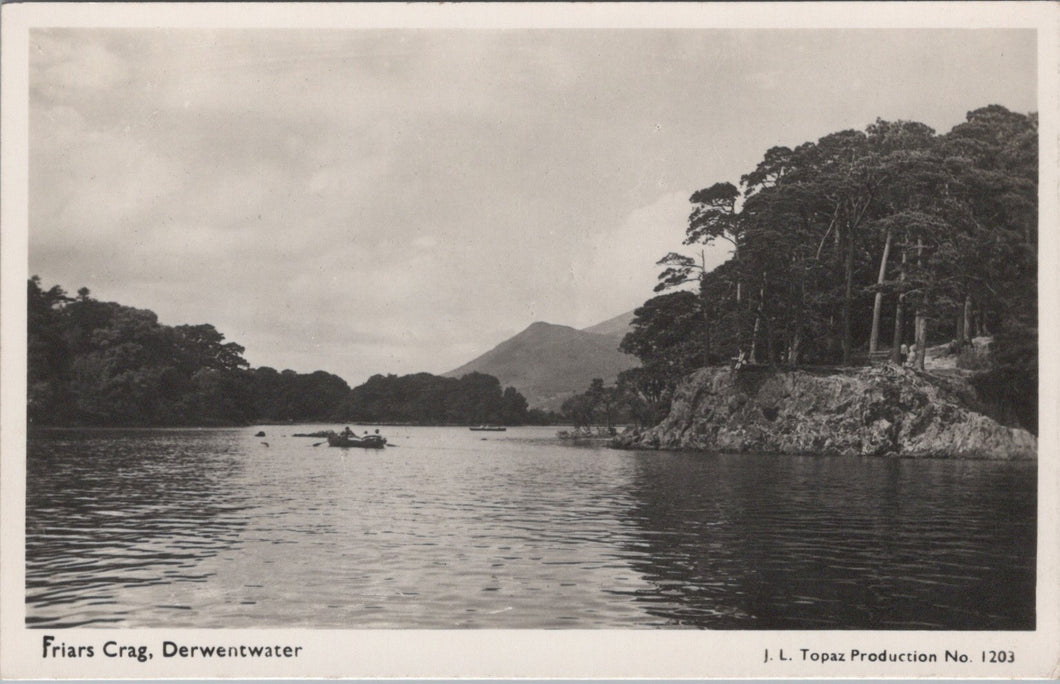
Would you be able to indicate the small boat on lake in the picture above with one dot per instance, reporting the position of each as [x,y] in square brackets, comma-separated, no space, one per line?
[366,442]
[487,428]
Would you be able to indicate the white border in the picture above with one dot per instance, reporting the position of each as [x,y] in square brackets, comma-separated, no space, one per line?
[612,654]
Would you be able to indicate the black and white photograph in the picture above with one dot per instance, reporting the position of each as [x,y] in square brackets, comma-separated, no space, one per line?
[635,328]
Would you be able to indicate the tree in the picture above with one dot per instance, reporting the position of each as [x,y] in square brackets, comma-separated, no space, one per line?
[47,361]
[422,398]
[714,217]
[202,346]
[887,220]
[910,173]
[513,407]
[645,395]
[101,363]
[578,409]
[665,335]
[993,157]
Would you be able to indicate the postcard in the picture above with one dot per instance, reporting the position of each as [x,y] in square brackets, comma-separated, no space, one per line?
[531,340]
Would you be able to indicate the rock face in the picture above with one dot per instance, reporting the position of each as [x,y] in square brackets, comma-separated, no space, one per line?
[876,411]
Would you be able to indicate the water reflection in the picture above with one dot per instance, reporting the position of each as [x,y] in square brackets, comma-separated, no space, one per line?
[757,542]
[211,528]
[112,511]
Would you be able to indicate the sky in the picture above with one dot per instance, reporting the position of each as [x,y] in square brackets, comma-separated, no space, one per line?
[396,201]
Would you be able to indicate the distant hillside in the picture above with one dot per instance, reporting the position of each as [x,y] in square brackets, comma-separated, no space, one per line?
[615,327]
[547,363]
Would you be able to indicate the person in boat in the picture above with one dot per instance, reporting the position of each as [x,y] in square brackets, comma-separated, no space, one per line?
[348,432]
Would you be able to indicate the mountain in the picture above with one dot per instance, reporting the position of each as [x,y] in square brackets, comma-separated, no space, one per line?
[548,363]
[617,326]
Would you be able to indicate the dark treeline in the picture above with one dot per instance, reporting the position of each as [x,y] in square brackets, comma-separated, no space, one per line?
[603,405]
[863,242]
[101,363]
[426,399]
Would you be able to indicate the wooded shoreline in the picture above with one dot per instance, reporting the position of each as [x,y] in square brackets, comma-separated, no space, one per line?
[882,242]
[833,242]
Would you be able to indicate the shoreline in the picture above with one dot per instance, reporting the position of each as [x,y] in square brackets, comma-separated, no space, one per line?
[877,411]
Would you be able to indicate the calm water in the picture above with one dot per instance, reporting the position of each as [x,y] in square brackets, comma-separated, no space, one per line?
[452,528]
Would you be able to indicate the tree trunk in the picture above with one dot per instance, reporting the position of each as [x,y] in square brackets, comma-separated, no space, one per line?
[706,330]
[771,350]
[848,296]
[896,343]
[921,321]
[764,317]
[736,258]
[753,358]
[921,338]
[899,308]
[754,338]
[967,334]
[878,303]
[796,337]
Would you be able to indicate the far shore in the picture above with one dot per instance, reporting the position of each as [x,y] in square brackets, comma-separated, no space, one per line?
[34,427]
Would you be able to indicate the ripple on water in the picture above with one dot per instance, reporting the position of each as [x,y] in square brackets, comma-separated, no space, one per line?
[204,528]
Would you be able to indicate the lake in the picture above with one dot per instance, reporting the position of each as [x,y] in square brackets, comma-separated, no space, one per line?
[457,529]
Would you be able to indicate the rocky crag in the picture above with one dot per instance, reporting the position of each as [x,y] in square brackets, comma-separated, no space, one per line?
[875,411]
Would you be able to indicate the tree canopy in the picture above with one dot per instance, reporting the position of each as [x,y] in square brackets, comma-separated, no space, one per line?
[101,363]
[932,237]
[425,399]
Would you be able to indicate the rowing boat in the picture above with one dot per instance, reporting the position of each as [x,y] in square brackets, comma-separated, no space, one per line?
[366,442]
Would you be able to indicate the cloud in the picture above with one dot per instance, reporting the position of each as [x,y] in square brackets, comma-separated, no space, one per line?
[390,200]
[620,267]
[65,70]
